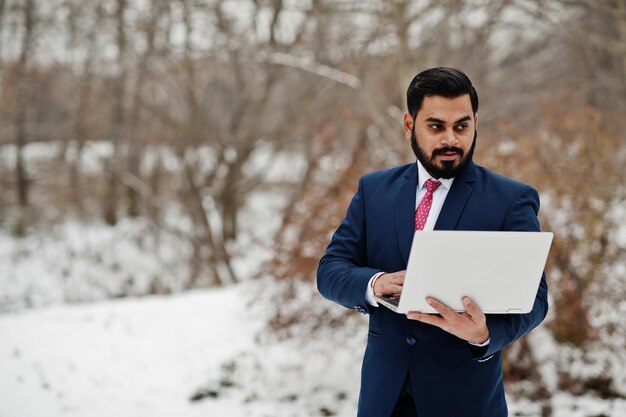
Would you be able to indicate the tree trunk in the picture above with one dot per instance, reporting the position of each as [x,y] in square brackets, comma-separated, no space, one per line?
[84,97]
[621,7]
[2,10]
[117,122]
[219,259]
[22,101]
[157,9]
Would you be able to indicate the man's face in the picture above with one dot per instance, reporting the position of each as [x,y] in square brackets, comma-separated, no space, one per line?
[443,135]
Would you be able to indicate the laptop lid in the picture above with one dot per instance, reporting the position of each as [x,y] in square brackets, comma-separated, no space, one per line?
[500,271]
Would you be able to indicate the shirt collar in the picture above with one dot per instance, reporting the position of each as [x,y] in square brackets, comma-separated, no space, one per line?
[423,175]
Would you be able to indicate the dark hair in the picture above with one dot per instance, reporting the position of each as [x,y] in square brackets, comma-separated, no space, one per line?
[440,81]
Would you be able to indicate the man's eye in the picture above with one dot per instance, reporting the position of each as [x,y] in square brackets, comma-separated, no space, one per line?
[436,126]
[462,126]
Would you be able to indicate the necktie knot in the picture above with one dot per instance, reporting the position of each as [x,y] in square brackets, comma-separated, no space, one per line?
[431,185]
[421,214]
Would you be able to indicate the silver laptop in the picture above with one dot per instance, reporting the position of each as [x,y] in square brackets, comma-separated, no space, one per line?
[500,271]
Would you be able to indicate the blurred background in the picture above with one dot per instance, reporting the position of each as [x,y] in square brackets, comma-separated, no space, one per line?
[171,172]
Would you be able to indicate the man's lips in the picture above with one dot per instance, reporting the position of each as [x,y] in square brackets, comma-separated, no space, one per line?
[448,153]
[449,156]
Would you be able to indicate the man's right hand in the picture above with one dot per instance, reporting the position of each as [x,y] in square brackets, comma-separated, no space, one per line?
[389,284]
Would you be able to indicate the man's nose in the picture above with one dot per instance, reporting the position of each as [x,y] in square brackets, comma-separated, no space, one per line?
[449,138]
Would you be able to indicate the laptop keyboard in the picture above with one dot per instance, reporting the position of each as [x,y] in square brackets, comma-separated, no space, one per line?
[391,299]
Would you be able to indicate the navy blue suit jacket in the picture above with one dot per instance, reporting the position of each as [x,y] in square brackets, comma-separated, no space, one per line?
[449,377]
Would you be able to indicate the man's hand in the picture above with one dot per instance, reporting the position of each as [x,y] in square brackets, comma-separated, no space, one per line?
[389,284]
[470,325]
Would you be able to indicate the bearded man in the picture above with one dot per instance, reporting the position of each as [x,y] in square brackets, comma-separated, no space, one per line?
[421,364]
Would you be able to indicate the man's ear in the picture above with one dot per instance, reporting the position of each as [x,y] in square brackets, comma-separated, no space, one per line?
[407,122]
[475,120]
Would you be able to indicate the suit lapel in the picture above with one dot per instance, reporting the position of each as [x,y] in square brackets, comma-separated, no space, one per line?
[457,198]
[405,212]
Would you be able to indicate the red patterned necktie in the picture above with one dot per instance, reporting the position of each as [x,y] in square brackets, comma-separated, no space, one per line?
[421,214]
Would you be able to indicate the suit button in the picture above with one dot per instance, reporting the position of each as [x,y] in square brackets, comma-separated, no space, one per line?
[410,340]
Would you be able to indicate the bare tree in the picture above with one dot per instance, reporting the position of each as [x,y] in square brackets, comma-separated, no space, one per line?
[149,27]
[22,98]
[117,129]
[78,40]
[2,13]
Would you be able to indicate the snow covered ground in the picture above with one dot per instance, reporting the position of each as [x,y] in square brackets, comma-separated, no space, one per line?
[150,356]
[122,358]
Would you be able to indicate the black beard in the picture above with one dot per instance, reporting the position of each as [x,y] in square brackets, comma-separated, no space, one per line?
[448,170]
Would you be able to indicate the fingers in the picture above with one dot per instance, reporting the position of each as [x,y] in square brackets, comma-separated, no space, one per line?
[392,289]
[441,308]
[389,284]
[469,325]
[472,309]
[427,318]
[443,321]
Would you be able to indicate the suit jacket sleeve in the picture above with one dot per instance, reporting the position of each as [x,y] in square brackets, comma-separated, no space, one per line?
[342,275]
[505,329]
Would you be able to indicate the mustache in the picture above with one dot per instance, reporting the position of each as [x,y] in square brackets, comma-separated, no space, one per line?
[447,149]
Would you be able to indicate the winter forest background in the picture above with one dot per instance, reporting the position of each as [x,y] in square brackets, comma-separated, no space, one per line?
[171,169]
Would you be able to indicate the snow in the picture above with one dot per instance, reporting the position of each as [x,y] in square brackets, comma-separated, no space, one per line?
[130,357]
[78,261]
[149,356]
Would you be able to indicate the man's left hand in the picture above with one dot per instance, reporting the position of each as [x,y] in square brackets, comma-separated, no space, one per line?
[470,325]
